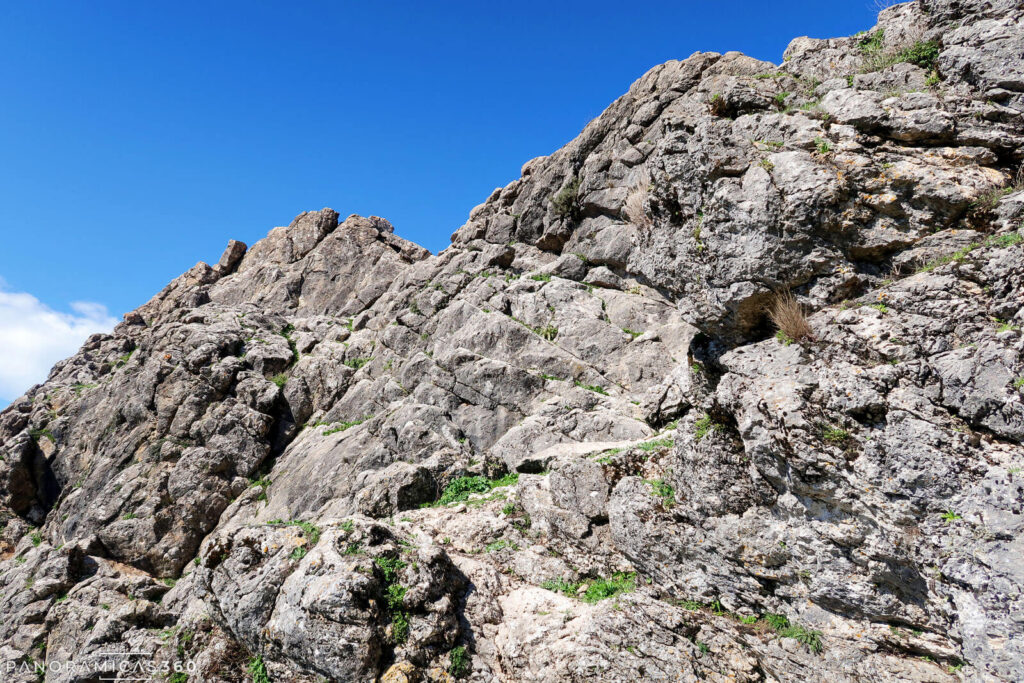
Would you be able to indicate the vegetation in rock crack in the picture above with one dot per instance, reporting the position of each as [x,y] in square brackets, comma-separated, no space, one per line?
[636,205]
[342,426]
[458,662]
[279,379]
[257,670]
[835,435]
[356,363]
[788,316]
[704,426]
[662,489]
[596,388]
[565,202]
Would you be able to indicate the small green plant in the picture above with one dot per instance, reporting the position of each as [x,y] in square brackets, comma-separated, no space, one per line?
[130,515]
[356,363]
[547,333]
[662,489]
[950,516]
[932,80]
[37,538]
[880,307]
[298,553]
[767,165]
[704,426]
[566,201]
[648,446]
[178,677]
[542,277]
[257,670]
[872,42]
[835,435]
[264,483]
[342,426]
[805,636]
[783,338]
[596,388]
[921,53]
[500,544]
[822,145]
[279,379]
[458,662]
[36,434]
[1018,383]
[780,98]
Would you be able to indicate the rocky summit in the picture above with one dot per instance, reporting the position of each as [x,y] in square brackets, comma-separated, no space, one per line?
[729,388]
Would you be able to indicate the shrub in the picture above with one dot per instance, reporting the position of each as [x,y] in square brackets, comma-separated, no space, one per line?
[565,202]
[787,314]
[923,54]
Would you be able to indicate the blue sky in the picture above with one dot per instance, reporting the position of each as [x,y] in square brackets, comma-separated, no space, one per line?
[138,137]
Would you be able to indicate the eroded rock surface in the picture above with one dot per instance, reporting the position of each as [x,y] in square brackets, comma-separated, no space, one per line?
[569,447]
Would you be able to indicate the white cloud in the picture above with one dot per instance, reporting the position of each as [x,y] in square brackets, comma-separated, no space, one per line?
[33,337]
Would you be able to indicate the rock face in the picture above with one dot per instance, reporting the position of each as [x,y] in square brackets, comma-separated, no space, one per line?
[569,447]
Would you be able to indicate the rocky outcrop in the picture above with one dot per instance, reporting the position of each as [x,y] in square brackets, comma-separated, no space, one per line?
[571,446]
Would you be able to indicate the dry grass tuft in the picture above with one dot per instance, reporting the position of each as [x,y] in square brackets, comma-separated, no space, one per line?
[788,315]
[636,201]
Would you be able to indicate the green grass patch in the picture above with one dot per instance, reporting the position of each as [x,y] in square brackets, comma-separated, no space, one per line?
[835,435]
[596,388]
[460,489]
[595,589]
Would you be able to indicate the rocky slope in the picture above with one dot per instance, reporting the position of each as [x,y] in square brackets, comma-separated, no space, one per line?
[571,445]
